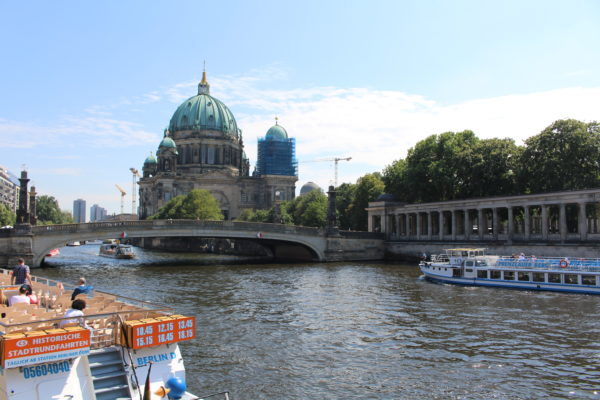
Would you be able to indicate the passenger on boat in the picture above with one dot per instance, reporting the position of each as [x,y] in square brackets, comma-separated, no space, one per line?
[33,299]
[76,310]
[21,297]
[82,288]
[20,274]
[522,257]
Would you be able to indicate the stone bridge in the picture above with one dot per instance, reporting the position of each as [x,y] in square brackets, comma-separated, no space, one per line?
[284,241]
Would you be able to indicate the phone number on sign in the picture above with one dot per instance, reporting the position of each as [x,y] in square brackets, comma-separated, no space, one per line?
[46,369]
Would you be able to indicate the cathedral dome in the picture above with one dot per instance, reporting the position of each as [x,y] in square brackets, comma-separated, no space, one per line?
[203,112]
[168,143]
[309,187]
[276,132]
[150,160]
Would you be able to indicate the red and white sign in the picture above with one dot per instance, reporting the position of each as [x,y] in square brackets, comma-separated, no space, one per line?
[160,332]
[50,347]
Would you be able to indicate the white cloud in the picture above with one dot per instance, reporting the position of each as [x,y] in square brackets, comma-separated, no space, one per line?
[93,131]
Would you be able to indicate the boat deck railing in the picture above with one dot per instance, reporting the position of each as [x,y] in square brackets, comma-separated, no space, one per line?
[104,311]
[551,263]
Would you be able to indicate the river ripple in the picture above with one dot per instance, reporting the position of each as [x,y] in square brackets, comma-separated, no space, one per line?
[358,331]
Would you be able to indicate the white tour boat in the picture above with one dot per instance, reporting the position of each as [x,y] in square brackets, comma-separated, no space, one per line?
[117,250]
[121,348]
[471,266]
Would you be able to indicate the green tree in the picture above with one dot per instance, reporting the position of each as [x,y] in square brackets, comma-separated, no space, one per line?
[310,209]
[439,167]
[564,156]
[7,216]
[49,213]
[197,204]
[343,200]
[368,188]
[493,172]
[394,178]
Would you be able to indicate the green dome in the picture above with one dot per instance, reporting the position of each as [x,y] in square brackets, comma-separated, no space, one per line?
[203,112]
[167,142]
[150,160]
[276,132]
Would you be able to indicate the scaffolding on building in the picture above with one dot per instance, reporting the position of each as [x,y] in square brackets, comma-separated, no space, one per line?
[277,157]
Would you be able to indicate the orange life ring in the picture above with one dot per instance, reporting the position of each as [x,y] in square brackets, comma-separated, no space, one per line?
[563,263]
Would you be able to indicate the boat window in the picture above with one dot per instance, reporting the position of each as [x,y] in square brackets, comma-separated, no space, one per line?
[509,275]
[495,274]
[571,278]
[468,263]
[554,278]
[469,270]
[588,280]
[523,276]
[481,263]
[482,274]
[456,272]
[538,277]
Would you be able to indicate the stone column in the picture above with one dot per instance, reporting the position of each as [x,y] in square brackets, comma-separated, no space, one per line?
[468,225]
[544,222]
[480,224]
[32,206]
[407,224]
[453,222]
[495,224]
[441,227]
[511,224]
[527,227]
[23,210]
[418,222]
[562,221]
[398,228]
[582,221]
[429,225]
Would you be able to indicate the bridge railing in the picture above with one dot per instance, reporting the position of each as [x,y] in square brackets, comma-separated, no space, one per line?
[202,224]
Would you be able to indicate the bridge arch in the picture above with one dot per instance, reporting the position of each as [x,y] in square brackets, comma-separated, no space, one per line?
[274,236]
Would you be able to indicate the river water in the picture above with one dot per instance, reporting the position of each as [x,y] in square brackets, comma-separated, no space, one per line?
[357,330]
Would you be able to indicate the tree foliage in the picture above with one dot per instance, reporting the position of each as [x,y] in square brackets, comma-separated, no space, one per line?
[367,188]
[197,204]
[564,156]
[48,212]
[345,197]
[7,216]
[307,210]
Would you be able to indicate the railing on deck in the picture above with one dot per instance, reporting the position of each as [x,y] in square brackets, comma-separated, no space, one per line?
[551,263]
[105,326]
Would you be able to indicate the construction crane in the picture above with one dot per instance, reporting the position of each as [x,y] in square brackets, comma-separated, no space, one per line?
[136,174]
[123,193]
[335,160]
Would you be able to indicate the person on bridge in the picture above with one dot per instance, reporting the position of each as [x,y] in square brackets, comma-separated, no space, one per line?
[21,297]
[20,274]
[82,288]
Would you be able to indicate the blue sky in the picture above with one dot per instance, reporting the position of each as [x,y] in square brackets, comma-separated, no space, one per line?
[87,87]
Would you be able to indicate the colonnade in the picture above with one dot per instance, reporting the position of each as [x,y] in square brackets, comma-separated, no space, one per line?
[558,217]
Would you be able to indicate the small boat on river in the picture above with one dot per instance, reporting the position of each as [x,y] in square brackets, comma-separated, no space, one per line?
[471,266]
[53,253]
[117,250]
[117,348]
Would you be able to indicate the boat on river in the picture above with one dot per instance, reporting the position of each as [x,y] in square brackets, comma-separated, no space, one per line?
[121,348]
[117,250]
[471,266]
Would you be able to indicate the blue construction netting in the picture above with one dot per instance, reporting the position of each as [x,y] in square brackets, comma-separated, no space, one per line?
[277,157]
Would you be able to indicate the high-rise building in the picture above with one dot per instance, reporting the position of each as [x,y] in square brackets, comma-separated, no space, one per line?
[9,189]
[79,211]
[97,213]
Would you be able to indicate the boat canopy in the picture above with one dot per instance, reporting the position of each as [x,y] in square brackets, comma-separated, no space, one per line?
[465,252]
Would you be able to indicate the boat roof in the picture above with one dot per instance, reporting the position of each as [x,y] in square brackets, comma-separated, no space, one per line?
[467,249]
